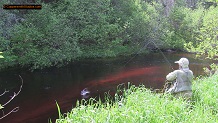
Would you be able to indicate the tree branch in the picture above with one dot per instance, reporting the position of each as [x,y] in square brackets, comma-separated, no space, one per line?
[15,94]
[4,93]
[12,111]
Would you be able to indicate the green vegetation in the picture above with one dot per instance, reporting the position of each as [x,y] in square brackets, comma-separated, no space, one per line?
[140,105]
[1,55]
[69,30]
[64,31]
[206,41]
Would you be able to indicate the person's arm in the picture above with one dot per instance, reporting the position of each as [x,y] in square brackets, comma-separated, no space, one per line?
[171,76]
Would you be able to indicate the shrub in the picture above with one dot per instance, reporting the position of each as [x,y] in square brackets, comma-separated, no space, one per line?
[206,41]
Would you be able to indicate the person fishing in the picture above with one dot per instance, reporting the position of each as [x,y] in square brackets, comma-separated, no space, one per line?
[181,80]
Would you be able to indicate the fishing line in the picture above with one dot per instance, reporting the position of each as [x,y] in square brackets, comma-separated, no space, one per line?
[136,54]
[165,58]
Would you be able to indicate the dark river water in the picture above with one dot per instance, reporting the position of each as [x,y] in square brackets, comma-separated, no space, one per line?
[41,89]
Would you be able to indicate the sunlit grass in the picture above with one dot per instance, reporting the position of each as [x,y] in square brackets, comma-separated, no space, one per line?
[140,105]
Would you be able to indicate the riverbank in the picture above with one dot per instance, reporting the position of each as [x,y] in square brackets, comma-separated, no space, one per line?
[139,104]
[89,54]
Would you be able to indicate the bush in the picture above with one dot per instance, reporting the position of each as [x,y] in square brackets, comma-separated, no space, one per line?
[42,40]
[65,31]
[206,40]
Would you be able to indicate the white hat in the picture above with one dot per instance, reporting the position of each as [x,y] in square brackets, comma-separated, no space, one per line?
[183,62]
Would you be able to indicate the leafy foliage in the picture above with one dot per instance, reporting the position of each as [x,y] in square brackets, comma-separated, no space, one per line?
[42,40]
[206,40]
[64,31]
[68,30]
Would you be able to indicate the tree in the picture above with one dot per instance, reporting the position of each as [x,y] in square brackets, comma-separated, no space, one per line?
[206,41]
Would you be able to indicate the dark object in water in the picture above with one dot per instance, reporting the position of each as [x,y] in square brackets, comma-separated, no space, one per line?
[85,92]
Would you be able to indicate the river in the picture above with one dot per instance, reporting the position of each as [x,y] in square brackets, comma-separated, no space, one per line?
[42,88]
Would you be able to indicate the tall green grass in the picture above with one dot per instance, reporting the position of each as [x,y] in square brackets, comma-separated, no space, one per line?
[140,105]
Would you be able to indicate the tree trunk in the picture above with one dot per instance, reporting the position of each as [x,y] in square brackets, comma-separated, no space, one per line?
[168,4]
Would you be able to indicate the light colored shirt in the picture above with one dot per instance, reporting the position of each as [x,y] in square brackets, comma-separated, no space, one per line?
[183,80]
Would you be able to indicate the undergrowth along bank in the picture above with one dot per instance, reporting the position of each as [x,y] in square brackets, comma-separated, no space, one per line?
[140,105]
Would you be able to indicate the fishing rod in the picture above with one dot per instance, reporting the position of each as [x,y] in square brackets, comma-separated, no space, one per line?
[136,54]
[167,84]
[163,55]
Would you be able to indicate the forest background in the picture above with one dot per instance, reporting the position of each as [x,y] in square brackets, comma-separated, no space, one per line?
[67,30]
